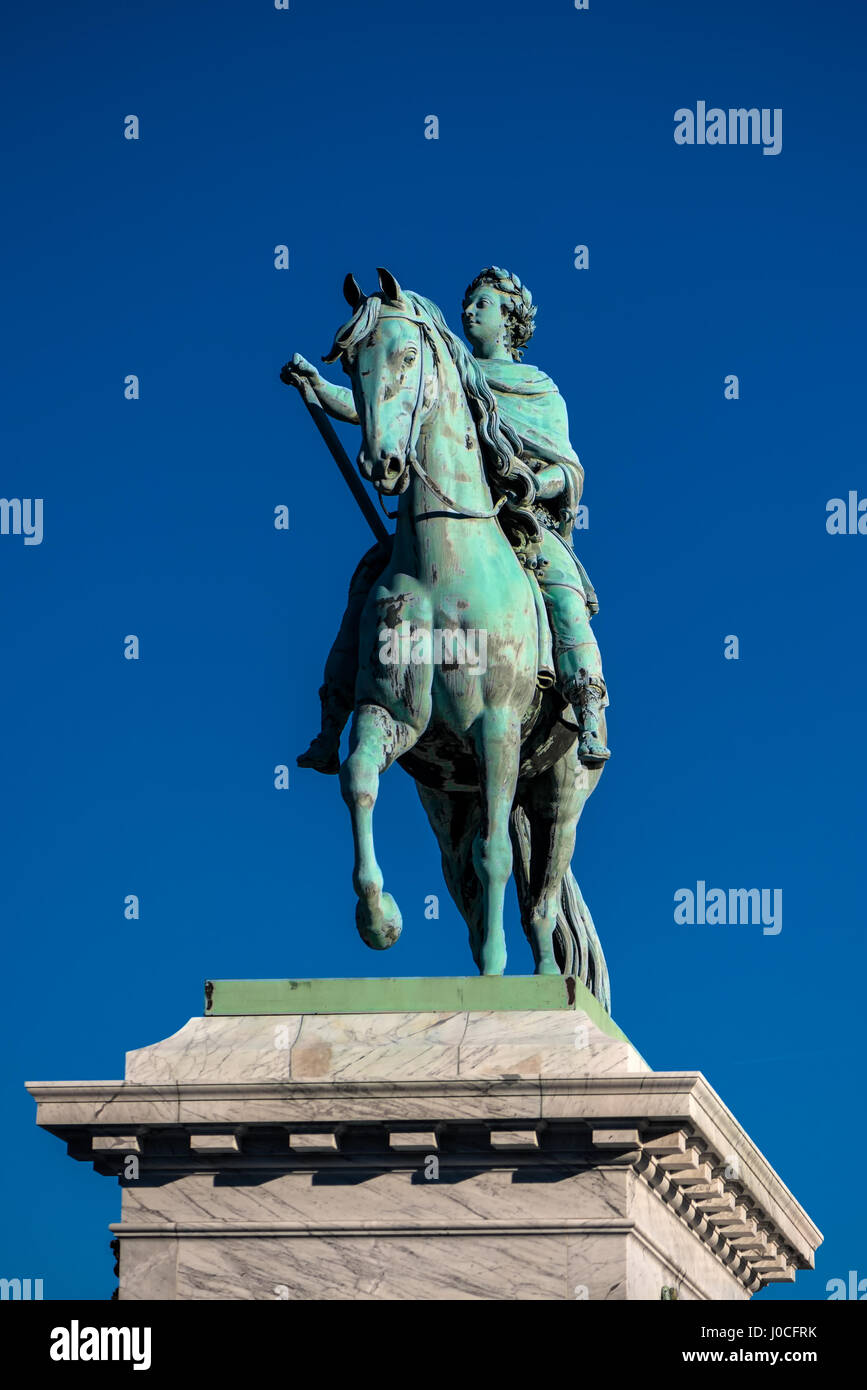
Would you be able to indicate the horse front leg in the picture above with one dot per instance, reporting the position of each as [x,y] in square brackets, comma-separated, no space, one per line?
[377,738]
[498,742]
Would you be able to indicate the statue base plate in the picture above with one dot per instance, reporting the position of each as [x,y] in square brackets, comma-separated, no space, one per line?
[505,1152]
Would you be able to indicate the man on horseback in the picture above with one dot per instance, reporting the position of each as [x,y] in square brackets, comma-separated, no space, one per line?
[498,316]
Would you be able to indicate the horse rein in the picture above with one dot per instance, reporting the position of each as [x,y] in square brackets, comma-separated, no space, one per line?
[426,333]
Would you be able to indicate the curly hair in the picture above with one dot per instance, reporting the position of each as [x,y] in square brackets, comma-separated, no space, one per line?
[519,309]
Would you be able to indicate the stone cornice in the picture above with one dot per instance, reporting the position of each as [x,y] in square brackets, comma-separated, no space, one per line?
[724,1189]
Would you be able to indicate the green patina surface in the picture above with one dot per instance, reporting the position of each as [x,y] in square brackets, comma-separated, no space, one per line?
[466,652]
[444,995]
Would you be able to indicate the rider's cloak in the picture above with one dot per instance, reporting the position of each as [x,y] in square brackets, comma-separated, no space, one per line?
[528,401]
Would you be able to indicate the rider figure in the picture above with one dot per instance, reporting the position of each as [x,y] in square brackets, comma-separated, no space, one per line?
[497,318]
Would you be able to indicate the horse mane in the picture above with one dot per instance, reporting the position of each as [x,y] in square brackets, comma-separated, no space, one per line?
[500,447]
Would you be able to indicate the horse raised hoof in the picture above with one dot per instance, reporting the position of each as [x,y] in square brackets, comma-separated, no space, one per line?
[378,926]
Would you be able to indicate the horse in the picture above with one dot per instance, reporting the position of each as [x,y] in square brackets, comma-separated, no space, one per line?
[492,752]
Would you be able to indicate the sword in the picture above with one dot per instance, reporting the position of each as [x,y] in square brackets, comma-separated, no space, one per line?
[338,453]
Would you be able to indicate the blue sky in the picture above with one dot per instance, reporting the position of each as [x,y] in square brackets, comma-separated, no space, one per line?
[707,518]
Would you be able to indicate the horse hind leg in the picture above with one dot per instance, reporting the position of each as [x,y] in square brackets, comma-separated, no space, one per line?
[455,818]
[552,804]
[376,740]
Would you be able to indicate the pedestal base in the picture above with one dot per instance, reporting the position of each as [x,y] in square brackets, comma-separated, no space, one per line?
[511,1153]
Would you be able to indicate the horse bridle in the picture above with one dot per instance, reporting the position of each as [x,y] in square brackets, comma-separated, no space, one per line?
[426,335]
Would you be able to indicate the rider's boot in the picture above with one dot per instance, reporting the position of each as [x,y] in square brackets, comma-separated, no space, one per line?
[323,755]
[588,699]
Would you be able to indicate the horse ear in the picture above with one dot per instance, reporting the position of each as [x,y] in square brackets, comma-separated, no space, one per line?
[352,291]
[389,286]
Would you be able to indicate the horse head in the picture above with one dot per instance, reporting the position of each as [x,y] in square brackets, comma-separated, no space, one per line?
[387,350]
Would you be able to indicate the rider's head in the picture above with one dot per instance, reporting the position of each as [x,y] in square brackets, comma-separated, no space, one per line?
[498,314]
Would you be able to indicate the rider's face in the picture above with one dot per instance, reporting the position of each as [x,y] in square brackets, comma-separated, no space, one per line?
[482,317]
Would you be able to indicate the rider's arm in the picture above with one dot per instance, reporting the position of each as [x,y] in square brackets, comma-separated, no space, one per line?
[553,447]
[335,400]
[552,481]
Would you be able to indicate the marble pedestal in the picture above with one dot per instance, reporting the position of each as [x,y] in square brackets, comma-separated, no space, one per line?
[457,1152]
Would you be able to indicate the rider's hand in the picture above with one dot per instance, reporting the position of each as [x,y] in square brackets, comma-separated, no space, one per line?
[298,370]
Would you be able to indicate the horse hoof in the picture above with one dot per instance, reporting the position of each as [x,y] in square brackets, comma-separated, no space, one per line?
[493,963]
[379,927]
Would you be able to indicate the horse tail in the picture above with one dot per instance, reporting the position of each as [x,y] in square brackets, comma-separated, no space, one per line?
[575,933]
[577,948]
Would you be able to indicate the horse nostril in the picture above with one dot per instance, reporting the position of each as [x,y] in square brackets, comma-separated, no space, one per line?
[392,466]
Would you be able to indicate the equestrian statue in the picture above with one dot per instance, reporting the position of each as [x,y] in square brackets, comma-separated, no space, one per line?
[474,446]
